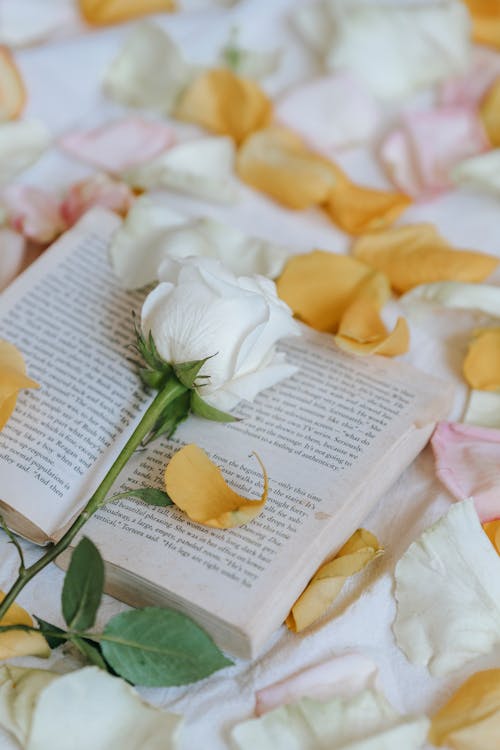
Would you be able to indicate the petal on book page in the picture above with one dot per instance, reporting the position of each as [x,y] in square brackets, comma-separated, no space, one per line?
[20,689]
[492,531]
[102,12]
[359,550]
[485,21]
[364,722]
[198,488]
[12,90]
[33,212]
[471,718]
[483,409]
[98,190]
[467,460]
[417,254]
[482,363]
[226,104]
[119,717]
[119,145]
[480,173]
[484,298]
[448,593]
[18,642]
[13,378]
[21,144]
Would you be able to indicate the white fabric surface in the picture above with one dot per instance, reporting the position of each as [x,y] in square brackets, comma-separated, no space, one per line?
[63,80]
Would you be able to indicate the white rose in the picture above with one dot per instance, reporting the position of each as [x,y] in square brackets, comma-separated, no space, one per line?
[200,310]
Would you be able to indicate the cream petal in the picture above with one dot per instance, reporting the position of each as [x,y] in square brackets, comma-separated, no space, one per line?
[20,690]
[484,298]
[21,143]
[483,409]
[480,173]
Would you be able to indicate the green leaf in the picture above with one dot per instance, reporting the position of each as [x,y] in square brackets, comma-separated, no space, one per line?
[174,414]
[202,409]
[90,651]
[52,633]
[188,371]
[149,495]
[83,586]
[159,647]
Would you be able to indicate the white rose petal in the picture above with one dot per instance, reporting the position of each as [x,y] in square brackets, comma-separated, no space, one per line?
[479,173]
[484,298]
[483,409]
[203,310]
[365,722]
[149,71]
[448,593]
[203,167]
[20,689]
[21,143]
[396,49]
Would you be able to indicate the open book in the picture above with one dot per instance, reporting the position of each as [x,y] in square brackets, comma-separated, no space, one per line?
[333,437]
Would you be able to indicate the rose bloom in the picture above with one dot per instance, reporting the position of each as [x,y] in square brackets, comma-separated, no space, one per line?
[200,309]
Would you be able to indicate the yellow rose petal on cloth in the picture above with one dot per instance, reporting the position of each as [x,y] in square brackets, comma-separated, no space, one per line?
[471,718]
[197,487]
[492,531]
[482,363]
[359,550]
[417,254]
[18,642]
[359,209]
[489,112]
[13,378]
[225,104]
[102,12]
[485,21]
[12,89]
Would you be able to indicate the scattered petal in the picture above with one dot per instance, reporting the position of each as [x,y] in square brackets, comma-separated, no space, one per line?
[225,104]
[492,531]
[21,144]
[202,167]
[331,112]
[482,363]
[342,676]
[416,254]
[485,21]
[12,90]
[98,190]
[419,154]
[490,113]
[484,298]
[19,642]
[149,72]
[249,63]
[102,12]
[448,593]
[483,409]
[13,379]
[33,212]
[480,173]
[322,590]
[395,49]
[364,722]
[13,253]
[467,90]
[119,145]
[198,488]
[467,460]
[19,691]
[471,718]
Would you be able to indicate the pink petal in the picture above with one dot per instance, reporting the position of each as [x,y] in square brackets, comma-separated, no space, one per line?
[467,463]
[419,155]
[98,190]
[33,212]
[343,676]
[12,252]
[119,145]
[468,90]
[331,112]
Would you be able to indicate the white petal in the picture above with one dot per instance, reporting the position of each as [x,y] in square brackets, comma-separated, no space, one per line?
[20,689]
[203,167]
[149,71]
[483,409]
[484,298]
[249,63]
[395,49]
[95,710]
[480,173]
[332,112]
[29,21]
[13,248]
[365,722]
[21,143]
[448,593]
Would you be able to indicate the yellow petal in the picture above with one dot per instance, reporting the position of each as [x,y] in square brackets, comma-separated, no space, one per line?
[490,113]
[471,718]
[482,363]
[17,642]
[417,254]
[12,379]
[102,12]
[198,488]
[492,530]
[226,104]
[359,550]
[12,90]
[485,21]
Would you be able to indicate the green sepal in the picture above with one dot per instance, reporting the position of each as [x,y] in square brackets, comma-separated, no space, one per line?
[52,633]
[187,372]
[91,651]
[202,409]
[154,378]
[170,419]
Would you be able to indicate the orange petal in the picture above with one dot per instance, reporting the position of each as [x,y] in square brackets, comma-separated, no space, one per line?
[102,12]
[13,378]
[18,642]
[12,90]
[198,488]
[485,21]
[492,530]
[490,113]
[226,104]
[482,363]
[417,254]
